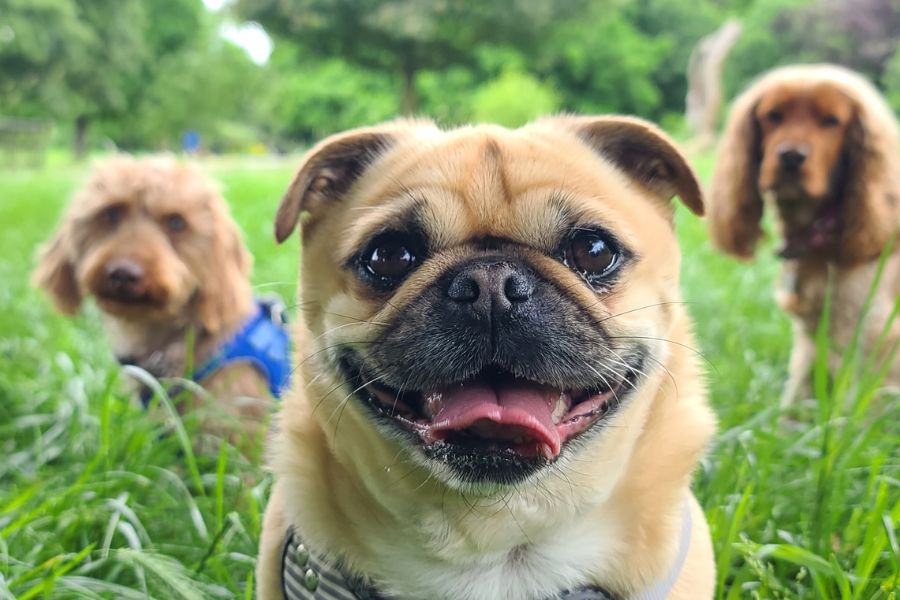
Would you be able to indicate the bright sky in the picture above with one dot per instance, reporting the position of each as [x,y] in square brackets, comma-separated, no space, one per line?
[249,36]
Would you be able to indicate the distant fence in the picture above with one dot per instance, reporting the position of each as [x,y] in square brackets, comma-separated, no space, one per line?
[23,142]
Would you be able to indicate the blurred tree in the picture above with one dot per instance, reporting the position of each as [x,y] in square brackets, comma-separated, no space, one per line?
[308,99]
[860,34]
[404,37]
[87,60]
[200,87]
[36,39]
[105,69]
[446,94]
[891,80]
[600,62]
[680,25]
[704,76]
[766,42]
[513,99]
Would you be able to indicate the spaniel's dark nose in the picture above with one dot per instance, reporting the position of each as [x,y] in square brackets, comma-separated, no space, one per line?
[791,158]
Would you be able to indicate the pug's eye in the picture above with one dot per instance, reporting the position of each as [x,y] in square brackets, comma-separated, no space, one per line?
[829,121]
[774,117]
[591,254]
[388,259]
[175,223]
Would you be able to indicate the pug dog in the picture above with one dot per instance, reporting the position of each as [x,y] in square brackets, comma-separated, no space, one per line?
[500,400]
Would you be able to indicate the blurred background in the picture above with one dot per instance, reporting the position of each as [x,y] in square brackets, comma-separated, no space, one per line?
[270,76]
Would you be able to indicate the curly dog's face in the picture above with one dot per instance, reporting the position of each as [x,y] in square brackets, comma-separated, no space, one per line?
[492,299]
[802,137]
[145,238]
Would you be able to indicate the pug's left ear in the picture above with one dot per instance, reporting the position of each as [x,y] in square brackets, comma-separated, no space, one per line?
[328,171]
[644,152]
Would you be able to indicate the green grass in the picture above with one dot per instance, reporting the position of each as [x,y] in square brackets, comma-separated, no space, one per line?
[96,503]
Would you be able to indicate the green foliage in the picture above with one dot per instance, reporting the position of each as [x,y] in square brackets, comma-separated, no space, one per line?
[197,87]
[138,73]
[307,99]
[765,42]
[892,81]
[446,95]
[513,99]
[678,25]
[36,37]
[602,63]
[105,70]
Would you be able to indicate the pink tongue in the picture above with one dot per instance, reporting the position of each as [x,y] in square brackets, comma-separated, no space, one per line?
[517,411]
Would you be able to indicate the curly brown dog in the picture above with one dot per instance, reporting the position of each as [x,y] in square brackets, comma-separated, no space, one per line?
[153,243]
[820,146]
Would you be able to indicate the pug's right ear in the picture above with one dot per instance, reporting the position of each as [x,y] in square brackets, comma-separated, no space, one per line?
[327,172]
[55,274]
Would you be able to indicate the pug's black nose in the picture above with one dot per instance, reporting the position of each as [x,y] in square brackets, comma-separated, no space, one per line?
[489,287]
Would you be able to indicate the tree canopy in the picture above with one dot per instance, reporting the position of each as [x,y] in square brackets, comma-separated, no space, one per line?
[138,73]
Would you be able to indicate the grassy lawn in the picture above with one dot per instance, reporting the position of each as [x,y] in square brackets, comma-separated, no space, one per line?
[95,503]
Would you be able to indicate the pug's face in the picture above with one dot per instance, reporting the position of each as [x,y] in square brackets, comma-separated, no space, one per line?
[492,301]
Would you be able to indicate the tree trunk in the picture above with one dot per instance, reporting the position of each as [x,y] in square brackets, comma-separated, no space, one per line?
[409,97]
[704,97]
[79,146]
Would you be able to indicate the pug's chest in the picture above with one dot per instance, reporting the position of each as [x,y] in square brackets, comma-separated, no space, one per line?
[528,571]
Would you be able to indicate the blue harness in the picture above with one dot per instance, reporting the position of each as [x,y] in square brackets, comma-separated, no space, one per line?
[263,341]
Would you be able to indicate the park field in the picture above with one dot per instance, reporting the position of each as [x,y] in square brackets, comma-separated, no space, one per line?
[96,503]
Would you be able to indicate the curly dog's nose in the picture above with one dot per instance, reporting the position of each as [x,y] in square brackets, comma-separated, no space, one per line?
[125,276]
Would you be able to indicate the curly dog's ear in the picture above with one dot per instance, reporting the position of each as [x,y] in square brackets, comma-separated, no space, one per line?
[55,273]
[735,205]
[225,292]
[328,171]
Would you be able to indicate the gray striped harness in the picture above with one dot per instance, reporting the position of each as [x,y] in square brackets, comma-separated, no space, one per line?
[304,576]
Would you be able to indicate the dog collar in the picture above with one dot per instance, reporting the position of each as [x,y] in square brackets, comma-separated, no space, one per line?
[263,341]
[305,576]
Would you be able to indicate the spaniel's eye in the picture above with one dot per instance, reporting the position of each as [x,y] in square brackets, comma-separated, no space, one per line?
[389,258]
[175,223]
[829,121]
[774,117]
[591,254]
[114,214]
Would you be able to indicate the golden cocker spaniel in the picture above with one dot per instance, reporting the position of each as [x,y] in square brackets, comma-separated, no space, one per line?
[819,146]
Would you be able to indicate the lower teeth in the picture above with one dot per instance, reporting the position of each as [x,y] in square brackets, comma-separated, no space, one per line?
[560,409]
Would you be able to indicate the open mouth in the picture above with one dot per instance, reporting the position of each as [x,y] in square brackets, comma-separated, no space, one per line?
[494,412]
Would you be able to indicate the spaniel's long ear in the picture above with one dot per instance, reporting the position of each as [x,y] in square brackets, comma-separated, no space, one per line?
[735,204]
[871,179]
[328,171]
[644,153]
[55,273]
